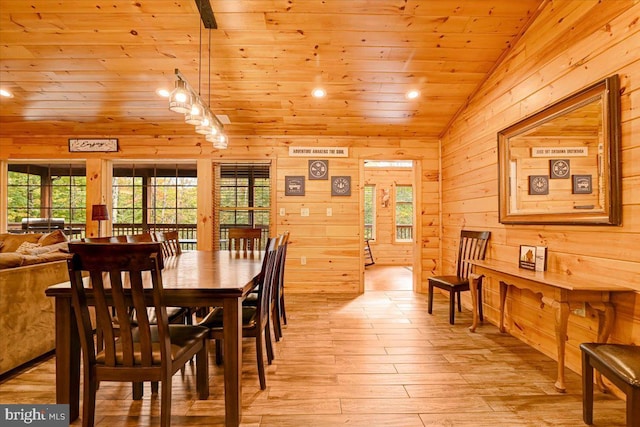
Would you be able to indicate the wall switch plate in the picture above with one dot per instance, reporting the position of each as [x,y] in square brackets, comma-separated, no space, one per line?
[282,212]
[303,260]
[304,211]
[329,212]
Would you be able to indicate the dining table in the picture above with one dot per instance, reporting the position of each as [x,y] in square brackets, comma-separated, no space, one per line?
[190,279]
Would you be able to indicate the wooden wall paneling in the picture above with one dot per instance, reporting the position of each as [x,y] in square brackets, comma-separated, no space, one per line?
[99,191]
[564,50]
[206,204]
[4,180]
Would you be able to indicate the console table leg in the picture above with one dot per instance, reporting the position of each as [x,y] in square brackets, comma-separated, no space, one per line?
[562,319]
[503,299]
[606,316]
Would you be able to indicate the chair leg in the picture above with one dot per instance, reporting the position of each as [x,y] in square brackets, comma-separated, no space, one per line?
[430,309]
[269,344]
[165,402]
[154,387]
[283,312]
[138,391]
[260,357]
[633,407]
[218,352]
[452,307]
[89,399]
[480,302]
[459,302]
[587,389]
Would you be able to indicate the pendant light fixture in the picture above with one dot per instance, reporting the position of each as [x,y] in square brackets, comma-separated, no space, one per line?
[184,99]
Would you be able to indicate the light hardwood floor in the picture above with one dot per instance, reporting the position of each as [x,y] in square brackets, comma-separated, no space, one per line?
[376,359]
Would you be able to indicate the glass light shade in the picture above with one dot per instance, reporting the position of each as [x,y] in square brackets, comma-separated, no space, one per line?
[204,127]
[195,116]
[180,99]
[221,142]
[212,136]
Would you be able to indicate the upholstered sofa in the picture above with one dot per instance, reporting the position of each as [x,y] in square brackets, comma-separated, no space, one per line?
[27,322]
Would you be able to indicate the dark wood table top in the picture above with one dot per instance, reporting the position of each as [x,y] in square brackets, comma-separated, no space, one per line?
[195,276]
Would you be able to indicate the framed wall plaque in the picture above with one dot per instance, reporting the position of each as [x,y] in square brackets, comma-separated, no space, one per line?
[582,184]
[294,185]
[340,185]
[318,169]
[538,185]
[559,168]
[93,145]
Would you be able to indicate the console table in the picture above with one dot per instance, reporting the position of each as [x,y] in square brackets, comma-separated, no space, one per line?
[558,290]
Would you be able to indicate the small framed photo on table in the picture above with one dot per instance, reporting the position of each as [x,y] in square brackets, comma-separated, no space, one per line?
[527,258]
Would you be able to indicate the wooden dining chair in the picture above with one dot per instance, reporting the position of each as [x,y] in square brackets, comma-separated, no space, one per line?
[255,319]
[170,242]
[244,238]
[620,364]
[279,315]
[139,238]
[473,246]
[136,353]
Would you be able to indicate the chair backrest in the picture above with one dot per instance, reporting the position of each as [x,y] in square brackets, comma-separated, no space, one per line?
[247,238]
[118,273]
[473,246]
[269,280]
[282,257]
[139,238]
[170,242]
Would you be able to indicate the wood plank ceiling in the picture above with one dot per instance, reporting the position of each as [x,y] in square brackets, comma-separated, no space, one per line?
[88,67]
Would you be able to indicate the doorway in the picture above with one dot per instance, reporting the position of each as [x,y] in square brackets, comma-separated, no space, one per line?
[390,224]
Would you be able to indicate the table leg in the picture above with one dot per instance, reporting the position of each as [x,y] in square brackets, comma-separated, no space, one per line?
[503,299]
[561,322]
[606,316]
[67,357]
[473,287]
[232,321]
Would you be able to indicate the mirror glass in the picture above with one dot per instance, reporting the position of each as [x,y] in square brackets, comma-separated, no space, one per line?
[560,165]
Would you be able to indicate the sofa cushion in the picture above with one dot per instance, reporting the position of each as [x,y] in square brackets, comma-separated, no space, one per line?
[52,238]
[10,260]
[26,247]
[39,250]
[13,241]
[48,257]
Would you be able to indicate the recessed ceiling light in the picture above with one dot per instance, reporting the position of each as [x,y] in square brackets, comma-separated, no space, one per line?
[163,92]
[319,93]
[413,94]
[6,93]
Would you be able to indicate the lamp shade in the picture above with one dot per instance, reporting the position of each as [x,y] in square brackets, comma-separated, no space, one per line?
[99,213]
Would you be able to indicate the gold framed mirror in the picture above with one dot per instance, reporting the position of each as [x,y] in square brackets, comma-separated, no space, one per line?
[561,165]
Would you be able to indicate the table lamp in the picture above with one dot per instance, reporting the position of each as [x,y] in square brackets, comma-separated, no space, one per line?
[99,213]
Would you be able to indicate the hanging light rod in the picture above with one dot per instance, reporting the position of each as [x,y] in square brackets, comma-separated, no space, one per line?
[206,13]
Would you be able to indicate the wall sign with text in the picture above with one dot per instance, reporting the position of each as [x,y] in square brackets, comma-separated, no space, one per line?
[93,145]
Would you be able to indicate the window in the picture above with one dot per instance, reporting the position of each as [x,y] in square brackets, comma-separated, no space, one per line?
[43,197]
[245,198]
[404,213]
[156,197]
[369,212]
